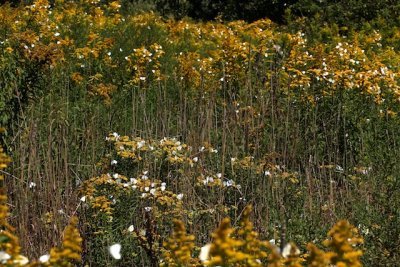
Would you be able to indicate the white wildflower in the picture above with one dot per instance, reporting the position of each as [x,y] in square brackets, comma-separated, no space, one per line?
[44,258]
[115,251]
[4,256]
[163,185]
[287,250]
[228,183]
[140,144]
[339,168]
[205,253]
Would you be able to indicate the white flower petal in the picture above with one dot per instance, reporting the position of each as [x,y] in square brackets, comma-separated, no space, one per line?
[4,256]
[115,251]
[205,252]
[44,258]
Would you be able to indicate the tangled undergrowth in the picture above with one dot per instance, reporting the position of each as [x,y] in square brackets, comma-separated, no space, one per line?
[69,254]
[150,205]
[229,247]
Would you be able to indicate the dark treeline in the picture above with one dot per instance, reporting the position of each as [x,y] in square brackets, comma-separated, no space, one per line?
[342,12]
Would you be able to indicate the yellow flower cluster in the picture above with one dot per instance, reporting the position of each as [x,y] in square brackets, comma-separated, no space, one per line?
[70,252]
[104,91]
[150,189]
[9,246]
[343,239]
[241,247]
[177,250]
[205,56]
[144,64]
[347,66]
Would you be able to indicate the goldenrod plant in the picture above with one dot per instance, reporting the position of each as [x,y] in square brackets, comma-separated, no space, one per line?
[178,249]
[9,246]
[343,238]
[240,247]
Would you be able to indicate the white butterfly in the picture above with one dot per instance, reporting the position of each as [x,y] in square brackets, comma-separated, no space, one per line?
[44,258]
[205,253]
[115,251]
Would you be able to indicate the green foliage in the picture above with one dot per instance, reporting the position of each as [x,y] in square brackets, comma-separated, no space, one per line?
[348,13]
[303,119]
[345,13]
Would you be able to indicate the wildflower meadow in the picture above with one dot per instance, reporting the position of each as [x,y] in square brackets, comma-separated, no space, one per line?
[135,138]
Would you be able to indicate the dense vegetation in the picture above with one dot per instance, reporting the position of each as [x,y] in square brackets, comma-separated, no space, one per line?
[352,13]
[133,121]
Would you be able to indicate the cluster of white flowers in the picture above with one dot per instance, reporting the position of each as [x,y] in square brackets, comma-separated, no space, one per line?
[32,185]
[228,183]
[208,180]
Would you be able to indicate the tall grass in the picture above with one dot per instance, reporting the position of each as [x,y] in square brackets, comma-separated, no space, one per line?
[311,148]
